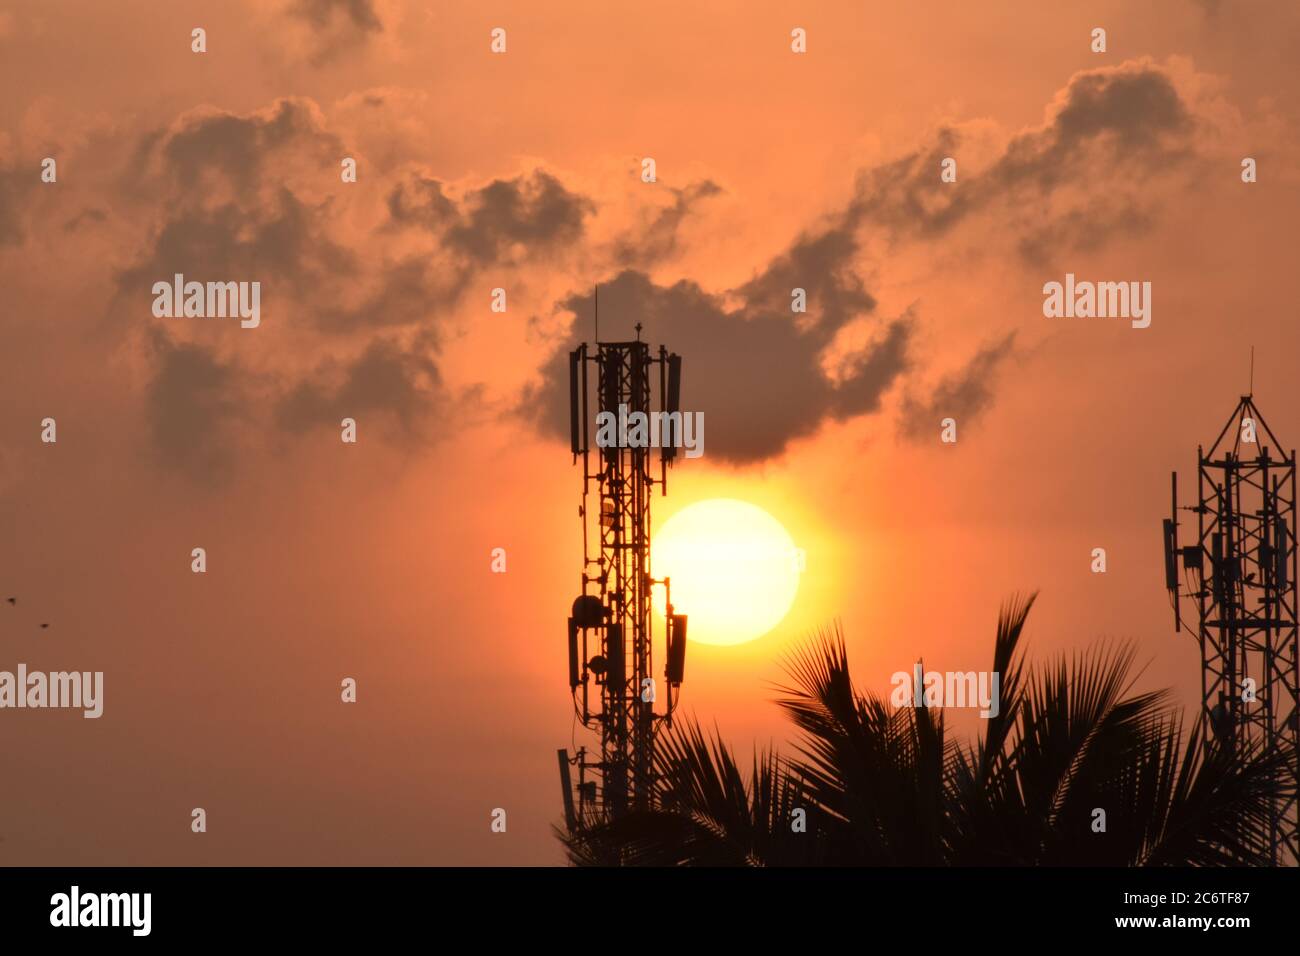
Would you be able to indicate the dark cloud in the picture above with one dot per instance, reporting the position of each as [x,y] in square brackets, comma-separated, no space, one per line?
[320,13]
[243,150]
[1118,124]
[821,263]
[191,404]
[1136,107]
[407,292]
[420,201]
[282,244]
[657,239]
[534,212]
[906,196]
[1085,228]
[220,181]
[225,190]
[961,396]
[338,25]
[753,368]
[506,222]
[91,214]
[752,371]
[400,385]
[756,370]
[17,189]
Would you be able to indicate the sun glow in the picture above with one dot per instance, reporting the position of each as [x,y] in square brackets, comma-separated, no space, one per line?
[734,570]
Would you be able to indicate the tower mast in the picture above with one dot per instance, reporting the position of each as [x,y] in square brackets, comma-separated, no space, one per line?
[1241,575]
[610,638]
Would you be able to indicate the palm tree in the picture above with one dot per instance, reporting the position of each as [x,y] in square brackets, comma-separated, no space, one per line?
[879,786]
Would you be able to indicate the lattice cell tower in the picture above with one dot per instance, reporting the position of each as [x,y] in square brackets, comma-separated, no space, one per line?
[1240,573]
[611,677]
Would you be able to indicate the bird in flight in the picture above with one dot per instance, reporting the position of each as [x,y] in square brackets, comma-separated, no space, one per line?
[13,601]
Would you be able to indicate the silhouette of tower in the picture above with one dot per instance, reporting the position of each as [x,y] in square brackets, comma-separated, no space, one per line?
[1241,575]
[610,643]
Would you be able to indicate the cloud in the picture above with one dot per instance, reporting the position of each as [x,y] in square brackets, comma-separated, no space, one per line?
[530,219]
[283,244]
[400,384]
[360,13]
[222,198]
[222,201]
[962,395]
[753,372]
[1123,125]
[657,239]
[17,189]
[235,154]
[421,201]
[191,404]
[338,25]
[90,214]
[758,372]
[506,220]
[230,200]
[405,292]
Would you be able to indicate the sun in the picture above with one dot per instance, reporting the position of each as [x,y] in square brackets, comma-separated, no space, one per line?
[734,570]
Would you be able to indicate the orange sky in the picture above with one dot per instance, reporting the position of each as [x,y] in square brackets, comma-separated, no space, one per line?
[521,171]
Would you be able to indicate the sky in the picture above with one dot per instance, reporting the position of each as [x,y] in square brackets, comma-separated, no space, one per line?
[522,170]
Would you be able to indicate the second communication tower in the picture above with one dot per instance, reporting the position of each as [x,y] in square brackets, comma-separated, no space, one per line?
[1240,573]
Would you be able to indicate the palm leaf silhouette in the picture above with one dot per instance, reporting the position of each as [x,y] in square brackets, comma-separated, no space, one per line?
[1071,747]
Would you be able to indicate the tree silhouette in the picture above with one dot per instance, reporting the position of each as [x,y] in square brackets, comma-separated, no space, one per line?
[881,786]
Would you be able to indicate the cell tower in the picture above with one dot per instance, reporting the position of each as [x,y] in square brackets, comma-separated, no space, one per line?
[610,641]
[1241,575]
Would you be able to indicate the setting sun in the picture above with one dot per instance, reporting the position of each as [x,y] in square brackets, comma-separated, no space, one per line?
[734,569]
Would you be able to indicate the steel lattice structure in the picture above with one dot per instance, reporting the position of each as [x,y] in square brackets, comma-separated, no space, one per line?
[611,646]
[1241,575]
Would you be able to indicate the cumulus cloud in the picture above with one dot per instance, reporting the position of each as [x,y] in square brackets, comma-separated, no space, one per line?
[502,221]
[227,208]
[365,292]
[338,25]
[753,372]
[657,238]
[209,148]
[282,244]
[757,371]
[225,200]
[89,215]
[191,406]
[399,383]
[17,186]
[1119,125]
[370,288]
[961,395]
